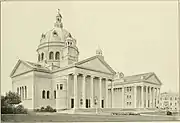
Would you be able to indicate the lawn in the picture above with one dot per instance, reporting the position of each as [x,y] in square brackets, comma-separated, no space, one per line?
[81,118]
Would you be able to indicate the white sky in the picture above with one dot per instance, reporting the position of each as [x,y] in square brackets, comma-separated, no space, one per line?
[135,37]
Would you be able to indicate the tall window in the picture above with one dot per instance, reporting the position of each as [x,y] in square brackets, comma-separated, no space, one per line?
[25,92]
[39,57]
[48,93]
[51,54]
[18,90]
[61,86]
[43,94]
[42,56]
[22,92]
[54,94]
[57,56]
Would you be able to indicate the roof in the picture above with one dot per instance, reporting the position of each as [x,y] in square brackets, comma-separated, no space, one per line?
[31,65]
[140,77]
[78,64]
[94,57]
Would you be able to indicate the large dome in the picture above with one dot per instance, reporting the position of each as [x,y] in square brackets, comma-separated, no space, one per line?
[55,35]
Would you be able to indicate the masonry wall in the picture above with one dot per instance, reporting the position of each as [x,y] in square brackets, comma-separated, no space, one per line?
[22,81]
[43,81]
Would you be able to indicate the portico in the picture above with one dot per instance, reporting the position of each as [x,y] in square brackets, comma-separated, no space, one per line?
[134,94]
[87,88]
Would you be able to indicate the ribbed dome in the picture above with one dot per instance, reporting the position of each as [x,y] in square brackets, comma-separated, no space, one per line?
[55,35]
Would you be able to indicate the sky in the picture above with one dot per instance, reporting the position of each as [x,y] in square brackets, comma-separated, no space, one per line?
[135,37]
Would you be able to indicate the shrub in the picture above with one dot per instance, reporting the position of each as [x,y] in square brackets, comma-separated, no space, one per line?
[47,109]
[42,109]
[20,110]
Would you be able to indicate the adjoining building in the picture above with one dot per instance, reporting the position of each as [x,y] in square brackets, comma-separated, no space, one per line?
[60,80]
[169,101]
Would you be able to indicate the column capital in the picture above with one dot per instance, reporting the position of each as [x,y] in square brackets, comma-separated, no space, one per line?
[92,76]
[75,74]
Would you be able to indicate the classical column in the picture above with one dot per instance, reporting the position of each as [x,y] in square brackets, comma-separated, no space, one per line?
[84,90]
[147,97]
[122,96]
[100,92]
[150,98]
[135,94]
[67,92]
[158,95]
[153,97]
[112,94]
[92,91]
[106,83]
[142,96]
[75,91]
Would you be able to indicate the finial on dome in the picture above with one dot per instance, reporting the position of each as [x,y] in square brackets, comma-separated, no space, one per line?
[59,14]
[99,51]
[58,22]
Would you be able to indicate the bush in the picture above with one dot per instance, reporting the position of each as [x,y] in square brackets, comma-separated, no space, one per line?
[47,109]
[169,113]
[20,110]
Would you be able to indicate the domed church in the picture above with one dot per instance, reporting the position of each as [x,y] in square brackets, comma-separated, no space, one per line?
[59,79]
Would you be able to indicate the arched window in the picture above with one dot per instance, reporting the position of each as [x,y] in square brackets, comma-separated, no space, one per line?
[54,94]
[57,56]
[43,94]
[25,92]
[51,54]
[42,56]
[48,93]
[39,57]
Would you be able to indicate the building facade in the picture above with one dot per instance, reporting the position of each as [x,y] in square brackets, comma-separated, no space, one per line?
[60,80]
[169,101]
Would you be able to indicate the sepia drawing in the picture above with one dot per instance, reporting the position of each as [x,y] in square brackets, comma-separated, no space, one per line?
[60,86]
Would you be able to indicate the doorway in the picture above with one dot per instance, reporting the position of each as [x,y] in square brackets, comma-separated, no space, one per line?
[88,103]
[72,103]
[102,104]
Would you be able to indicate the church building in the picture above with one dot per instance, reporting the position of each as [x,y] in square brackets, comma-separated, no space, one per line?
[59,79]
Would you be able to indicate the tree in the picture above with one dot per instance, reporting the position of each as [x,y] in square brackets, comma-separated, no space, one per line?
[12,98]
[8,101]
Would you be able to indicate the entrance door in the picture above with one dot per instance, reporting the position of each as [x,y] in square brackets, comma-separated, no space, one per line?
[87,103]
[102,104]
[72,103]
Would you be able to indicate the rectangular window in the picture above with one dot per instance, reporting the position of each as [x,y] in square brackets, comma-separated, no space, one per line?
[61,86]
[57,86]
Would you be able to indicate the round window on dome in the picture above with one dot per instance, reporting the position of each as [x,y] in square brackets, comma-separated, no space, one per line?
[55,33]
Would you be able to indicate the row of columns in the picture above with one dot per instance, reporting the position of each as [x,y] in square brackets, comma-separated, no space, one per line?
[151,98]
[91,91]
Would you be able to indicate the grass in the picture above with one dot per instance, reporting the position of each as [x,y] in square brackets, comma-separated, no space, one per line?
[79,118]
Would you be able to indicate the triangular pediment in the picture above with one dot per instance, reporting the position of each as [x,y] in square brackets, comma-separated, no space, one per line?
[20,68]
[154,79]
[95,63]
